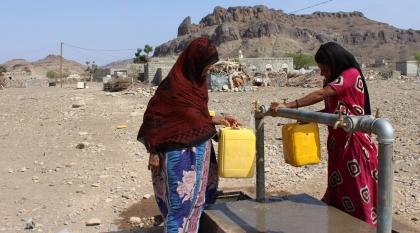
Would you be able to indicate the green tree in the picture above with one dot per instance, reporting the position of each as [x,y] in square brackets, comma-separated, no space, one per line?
[2,70]
[147,49]
[140,57]
[52,74]
[417,58]
[302,60]
[91,69]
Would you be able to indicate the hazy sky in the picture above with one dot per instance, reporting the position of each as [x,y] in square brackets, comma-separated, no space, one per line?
[32,29]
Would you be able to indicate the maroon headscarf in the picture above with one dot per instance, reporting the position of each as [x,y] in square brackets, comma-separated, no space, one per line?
[177,115]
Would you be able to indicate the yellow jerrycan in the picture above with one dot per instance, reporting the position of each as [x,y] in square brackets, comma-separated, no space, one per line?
[301,144]
[236,157]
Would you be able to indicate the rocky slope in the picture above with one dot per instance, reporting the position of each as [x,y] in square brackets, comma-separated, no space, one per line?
[260,31]
[118,64]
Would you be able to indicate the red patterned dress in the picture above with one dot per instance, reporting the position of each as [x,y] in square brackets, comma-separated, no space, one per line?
[352,157]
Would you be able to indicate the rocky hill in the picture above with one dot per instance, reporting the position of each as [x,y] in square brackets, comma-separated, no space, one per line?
[118,64]
[40,67]
[260,31]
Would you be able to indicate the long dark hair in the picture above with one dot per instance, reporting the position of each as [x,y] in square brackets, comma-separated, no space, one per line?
[338,59]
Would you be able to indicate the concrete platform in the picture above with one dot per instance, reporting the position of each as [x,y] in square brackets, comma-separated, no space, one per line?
[288,214]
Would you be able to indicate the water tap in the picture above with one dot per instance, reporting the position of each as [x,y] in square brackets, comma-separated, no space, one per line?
[378,113]
[256,104]
[340,122]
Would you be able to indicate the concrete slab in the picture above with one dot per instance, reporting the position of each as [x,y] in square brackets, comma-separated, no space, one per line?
[288,214]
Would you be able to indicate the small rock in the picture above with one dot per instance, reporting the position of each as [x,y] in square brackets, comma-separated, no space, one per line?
[147,196]
[135,220]
[95,185]
[125,196]
[64,230]
[134,114]
[225,87]
[70,164]
[22,169]
[108,200]
[414,219]
[78,104]
[216,101]
[93,222]
[80,146]
[29,224]
[81,133]
[11,170]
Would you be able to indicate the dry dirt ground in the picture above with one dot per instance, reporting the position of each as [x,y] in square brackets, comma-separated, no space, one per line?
[63,160]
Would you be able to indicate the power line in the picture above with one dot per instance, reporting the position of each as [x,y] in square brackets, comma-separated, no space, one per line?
[311,6]
[103,50]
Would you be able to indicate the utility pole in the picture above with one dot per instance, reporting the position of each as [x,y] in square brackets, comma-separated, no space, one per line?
[61,64]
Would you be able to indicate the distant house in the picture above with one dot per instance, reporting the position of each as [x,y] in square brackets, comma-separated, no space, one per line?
[409,68]
[380,62]
[119,73]
[268,64]
[100,74]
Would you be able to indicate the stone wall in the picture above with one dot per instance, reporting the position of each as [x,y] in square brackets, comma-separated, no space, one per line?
[22,79]
[157,69]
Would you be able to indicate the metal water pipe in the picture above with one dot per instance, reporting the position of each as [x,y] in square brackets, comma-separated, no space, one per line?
[366,124]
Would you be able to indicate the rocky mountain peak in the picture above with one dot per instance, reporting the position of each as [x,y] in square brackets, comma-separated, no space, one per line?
[262,31]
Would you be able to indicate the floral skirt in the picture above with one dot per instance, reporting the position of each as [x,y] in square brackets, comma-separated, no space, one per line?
[187,181]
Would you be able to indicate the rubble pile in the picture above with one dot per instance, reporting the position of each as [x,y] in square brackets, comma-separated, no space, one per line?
[306,80]
[228,75]
[384,75]
[272,79]
[116,85]
[142,91]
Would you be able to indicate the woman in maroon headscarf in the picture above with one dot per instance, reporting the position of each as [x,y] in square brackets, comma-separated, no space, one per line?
[177,131]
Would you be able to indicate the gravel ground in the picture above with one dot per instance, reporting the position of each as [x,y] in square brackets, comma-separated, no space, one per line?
[65,164]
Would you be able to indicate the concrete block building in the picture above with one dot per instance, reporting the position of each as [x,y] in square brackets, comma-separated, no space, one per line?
[409,68]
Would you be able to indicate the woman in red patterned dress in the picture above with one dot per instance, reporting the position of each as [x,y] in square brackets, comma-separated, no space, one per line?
[352,157]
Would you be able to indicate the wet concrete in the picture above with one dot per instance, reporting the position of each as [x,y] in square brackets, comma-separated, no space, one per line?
[144,209]
[290,214]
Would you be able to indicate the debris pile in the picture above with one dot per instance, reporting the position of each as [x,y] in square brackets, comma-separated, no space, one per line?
[272,79]
[307,80]
[384,75]
[118,84]
[228,76]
